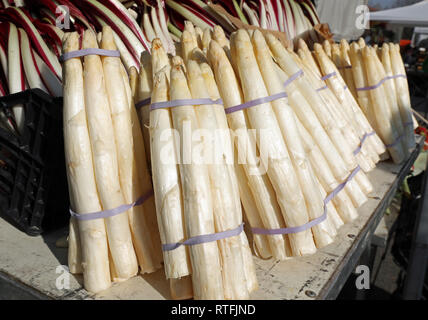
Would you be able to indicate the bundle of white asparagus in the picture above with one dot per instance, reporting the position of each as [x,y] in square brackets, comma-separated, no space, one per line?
[106,169]
[289,147]
[197,196]
[376,79]
[225,123]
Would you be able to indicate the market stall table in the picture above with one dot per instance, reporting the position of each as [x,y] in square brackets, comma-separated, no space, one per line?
[34,268]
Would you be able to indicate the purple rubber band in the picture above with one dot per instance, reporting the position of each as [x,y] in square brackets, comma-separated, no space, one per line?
[143,103]
[365,136]
[183,102]
[381,82]
[396,141]
[293,77]
[328,76]
[89,51]
[313,222]
[111,212]
[322,88]
[342,185]
[205,238]
[289,230]
[267,99]
[256,102]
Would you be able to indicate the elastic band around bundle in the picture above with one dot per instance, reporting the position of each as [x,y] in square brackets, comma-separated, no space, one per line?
[184,102]
[381,82]
[204,238]
[143,103]
[396,141]
[256,102]
[365,136]
[293,77]
[87,52]
[112,212]
[328,76]
[322,88]
[267,99]
[313,222]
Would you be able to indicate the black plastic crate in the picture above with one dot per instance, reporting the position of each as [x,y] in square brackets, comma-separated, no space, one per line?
[33,181]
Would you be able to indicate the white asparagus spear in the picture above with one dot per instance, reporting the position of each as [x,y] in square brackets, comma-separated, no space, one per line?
[298,102]
[133,81]
[367,149]
[259,184]
[143,92]
[166,183]
[402,94]
[74,248]
[390,84]
[336,83]
[347,66]
[105,162]
[199,37]
[251,213]
[360,79]
[143,173]
[128,167]
[327,121]
[188,44]
[391,101]
[338,86]
[226,205]
[161,61]
[170,183]
[189,27]
[303,109]
[346,200]
[400,63]
[381,111]
[221,118]
[327,47]
[80,173]
[323,232]
[206,39]
[366,156]
[361,43]
[306,55]
[219,36]
[279,167]
[197,198]
[245,192]
[226,147]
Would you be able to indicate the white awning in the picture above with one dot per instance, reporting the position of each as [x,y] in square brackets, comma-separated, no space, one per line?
[413,15]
